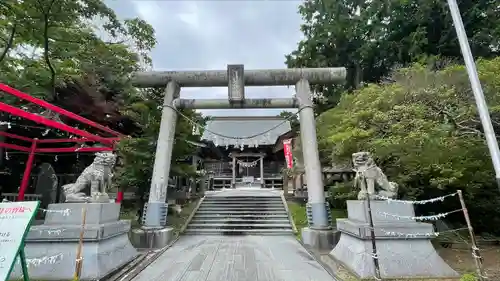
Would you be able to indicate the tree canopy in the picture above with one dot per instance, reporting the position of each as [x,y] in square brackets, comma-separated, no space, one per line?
[371,38]
[424,131]
[79,55]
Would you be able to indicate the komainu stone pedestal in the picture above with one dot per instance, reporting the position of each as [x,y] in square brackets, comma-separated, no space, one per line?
[51,247]
[400,255]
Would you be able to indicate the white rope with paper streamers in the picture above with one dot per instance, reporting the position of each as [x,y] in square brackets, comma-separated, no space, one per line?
[45,260]
[409,235]
[64,212]
[416,234]
[247,164]
[416,202]
[421,218]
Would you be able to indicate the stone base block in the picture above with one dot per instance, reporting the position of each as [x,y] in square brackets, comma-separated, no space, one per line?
[143,238]
[52,246]
[415,258]
[57,260]
[319,239]
[404,248]
[68,233]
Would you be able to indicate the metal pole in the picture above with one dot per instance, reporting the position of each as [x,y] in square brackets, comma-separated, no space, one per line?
[475,250]
[372,235]
[482,107]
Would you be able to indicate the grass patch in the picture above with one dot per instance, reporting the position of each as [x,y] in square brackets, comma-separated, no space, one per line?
[130,214]
[299,215]
[176,221]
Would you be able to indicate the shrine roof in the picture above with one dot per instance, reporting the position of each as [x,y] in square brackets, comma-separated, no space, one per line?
[243,127]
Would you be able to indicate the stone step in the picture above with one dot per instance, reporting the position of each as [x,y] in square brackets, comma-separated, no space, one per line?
[235,232]
[243,208]
[249,202]
[241,212]
[241,216]
[242,204]
[244,199]
[237,221]
[238,226]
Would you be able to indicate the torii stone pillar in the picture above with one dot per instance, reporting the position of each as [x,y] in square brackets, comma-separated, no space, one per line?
[235,78]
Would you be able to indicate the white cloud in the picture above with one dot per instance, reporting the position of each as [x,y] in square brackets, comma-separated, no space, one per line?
[197,35]
[191,15]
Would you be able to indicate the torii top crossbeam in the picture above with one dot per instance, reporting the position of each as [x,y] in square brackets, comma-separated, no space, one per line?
[84,136]
[220,78]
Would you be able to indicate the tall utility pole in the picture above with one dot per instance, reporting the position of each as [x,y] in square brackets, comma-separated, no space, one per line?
[482,107]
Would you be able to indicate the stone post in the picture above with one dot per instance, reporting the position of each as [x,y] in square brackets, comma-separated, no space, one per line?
[156,212]
[233,181]
[262,183]
[319,234]
[315,189]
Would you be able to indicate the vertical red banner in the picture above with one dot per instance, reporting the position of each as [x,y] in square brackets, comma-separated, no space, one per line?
[287,149]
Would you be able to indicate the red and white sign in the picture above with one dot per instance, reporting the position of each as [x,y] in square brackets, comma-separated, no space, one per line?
[287,149]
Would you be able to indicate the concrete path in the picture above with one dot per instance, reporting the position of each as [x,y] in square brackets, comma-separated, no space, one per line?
[235,258]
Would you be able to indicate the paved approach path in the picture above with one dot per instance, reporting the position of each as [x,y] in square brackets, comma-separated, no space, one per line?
[235,258]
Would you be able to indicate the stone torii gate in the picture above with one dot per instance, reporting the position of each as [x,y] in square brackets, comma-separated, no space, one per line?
[235,78]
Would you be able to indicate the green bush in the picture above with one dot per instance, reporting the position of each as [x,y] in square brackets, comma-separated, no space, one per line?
[425,133]
[339,193]
[468,277]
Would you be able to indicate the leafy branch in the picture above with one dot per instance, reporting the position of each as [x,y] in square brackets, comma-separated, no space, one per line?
[46,19]
[10,42]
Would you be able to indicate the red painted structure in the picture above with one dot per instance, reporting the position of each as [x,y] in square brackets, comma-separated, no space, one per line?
[84,136]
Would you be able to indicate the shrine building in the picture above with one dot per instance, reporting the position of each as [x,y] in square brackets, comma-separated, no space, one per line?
[245,151]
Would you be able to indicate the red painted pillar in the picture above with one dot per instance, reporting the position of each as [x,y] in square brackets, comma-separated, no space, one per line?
[119,197]
[27,171]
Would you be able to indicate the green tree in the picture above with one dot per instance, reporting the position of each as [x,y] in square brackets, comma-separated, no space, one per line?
[425,133]
[292,117]
[48,44]
[78,55]
[371,38]
[74,54]
[138,153]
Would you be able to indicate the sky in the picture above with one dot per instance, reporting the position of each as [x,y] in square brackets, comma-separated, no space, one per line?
[209,35]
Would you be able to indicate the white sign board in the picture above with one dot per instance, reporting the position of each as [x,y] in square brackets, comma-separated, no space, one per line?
[15,221]
[248,179]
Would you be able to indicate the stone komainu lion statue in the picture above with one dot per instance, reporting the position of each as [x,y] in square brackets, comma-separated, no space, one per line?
[97,176]
[371,179]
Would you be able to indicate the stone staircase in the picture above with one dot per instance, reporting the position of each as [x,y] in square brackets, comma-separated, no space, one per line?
[240,215]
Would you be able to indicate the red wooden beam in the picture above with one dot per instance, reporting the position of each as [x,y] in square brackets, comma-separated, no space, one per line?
[72,149]
[14,146]
[50,123]
[27,172]
[14,136]
[75,140]
[44,104]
